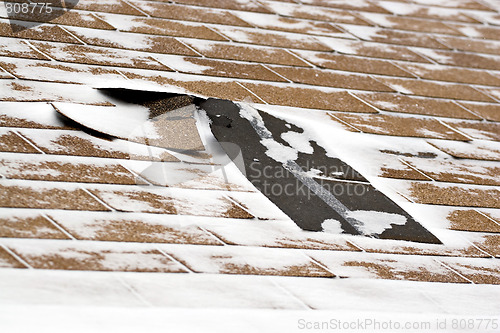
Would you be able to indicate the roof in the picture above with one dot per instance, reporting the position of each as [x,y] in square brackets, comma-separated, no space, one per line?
[95,211]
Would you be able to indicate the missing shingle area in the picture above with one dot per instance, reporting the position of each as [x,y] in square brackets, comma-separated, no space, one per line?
[321,188]
[316,197]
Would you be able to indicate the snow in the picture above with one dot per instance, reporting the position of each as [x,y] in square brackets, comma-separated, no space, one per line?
[278,151]
[225,259]
[244,35]
[275,22]
[121,39]
[469,31]
[64,73]
[39,113]
[379,19]
[298,141]
[48,140]
[119,121]
[484,148]
[29,91]
[332,226]
[181,64]
[373,222]
[340,45]
[364,32]
[45,300]
[406,9]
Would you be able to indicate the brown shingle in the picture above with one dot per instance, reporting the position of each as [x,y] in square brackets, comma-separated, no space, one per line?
[471,45]
[309,98]
[400,126]
[450,195]
[462,59]
[276,235]
[373,50]
[10,142]
[32,91]
[222,90]
[225,69]
[490,243]
[383,266]
[493,92]
[138,201]
[156,26]
[155,44]
[360,5]
[435,89]
[372,245]
[457,171]
[488,111]
[189,13]
[330,78]
[68,256]
[448,14]
[478,31]
[390,36]
[34,226]
[471,150]
[483,272]
[66,172]
[452,74]
[54,71]
[8,261]
[416,105]
[303,11]
[404,172]
[248,53]
[167,202]
[64,17]
[288,24]
[12,118]
[247,261]
[478,130]
[41,32]
[463,4]
[412,24]
[471,220]
[84,54]
[108,6]
[17,48]
[215,89]
[353,63]
[268,38]
[4,74]
[76,143]
[15,196]
[111,229]
[392,270]
[227,4]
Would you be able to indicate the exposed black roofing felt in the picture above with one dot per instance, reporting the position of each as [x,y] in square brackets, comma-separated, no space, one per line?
[307,200]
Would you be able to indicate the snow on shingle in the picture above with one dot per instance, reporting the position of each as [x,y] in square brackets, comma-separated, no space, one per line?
[246,260]
[78,195]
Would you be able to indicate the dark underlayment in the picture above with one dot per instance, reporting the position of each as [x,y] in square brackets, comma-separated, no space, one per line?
[308,201]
